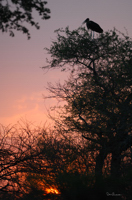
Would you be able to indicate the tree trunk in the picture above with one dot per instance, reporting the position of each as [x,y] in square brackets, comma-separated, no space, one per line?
[99,164]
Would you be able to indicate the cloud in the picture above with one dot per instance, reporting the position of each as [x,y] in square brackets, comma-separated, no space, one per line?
[28,102]
[28,107]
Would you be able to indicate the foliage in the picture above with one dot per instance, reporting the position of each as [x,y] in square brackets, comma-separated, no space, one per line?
[93,129]
[35,159]
[18,155]
[74,185]
[34,194]
[98,94]
[31,159]
[15,13]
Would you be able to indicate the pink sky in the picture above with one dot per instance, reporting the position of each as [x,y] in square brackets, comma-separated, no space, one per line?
[22,81]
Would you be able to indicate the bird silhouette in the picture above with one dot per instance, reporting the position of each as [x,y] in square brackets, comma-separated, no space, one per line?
[93,26]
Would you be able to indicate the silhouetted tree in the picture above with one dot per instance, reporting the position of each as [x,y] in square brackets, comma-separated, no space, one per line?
[19,153]
[14,13]
[98,95]
[31,159]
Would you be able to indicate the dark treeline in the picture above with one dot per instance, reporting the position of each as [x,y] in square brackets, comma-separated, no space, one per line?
[88,152]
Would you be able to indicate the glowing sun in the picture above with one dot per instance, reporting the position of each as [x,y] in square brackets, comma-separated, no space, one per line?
[52,190]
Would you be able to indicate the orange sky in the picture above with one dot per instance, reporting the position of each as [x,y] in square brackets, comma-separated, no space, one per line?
[22,81]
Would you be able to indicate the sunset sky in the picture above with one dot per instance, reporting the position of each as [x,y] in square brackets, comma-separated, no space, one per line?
[22,81]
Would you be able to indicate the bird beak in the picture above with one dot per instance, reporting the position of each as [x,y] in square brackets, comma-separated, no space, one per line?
[84,22]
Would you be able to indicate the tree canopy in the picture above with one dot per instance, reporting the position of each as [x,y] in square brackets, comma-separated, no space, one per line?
[88,153]
[98,96]
[14,13]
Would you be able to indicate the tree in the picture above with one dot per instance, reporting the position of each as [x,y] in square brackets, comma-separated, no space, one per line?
[32,159]
[66,161]
[19,154]
[15,13]
[98,96]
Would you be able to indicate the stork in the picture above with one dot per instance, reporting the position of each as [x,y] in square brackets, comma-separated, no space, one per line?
[93,26]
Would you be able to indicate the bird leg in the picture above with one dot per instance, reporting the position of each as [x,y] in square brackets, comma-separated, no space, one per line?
[91,34]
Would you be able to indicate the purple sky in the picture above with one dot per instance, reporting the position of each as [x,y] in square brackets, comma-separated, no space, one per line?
[22,81]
